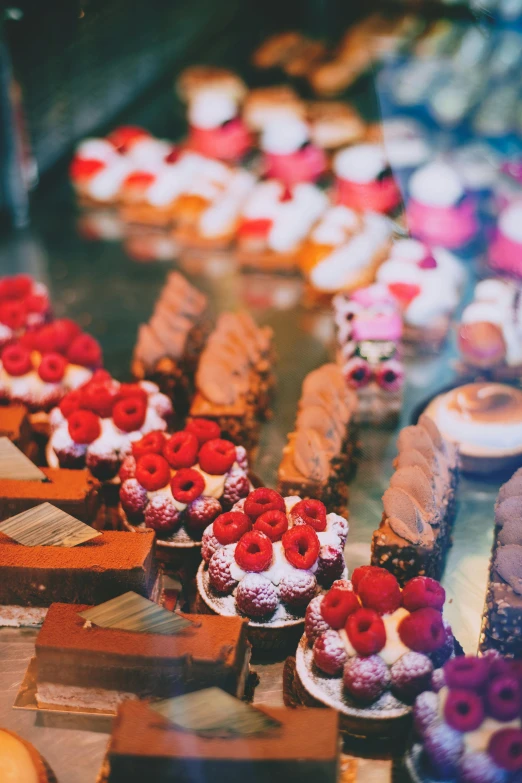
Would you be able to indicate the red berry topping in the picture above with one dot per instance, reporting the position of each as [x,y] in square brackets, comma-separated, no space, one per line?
[338,603]
[151,443]
[329,653]
[219,571]
[256,596]
[122,137]
[229,527]
[37,303]
[129,414]
[127,469]
[301,546]
[200,514]
[139,180]
[85,168]
[187,485]
[253,551]
[261,500]
[71,402]
[98,396]
[366,679]
[217,456]
[309,512]
[52,368]
[273,524]
[315,624]
[422,630]
[181,450]
[203,429]
[504,697]
[55,337]
[16,287]
[13,313]
[380,592]
[411,675]
[161,515]
[362,571]
[130,390]
[366,631]
[84,426]
[466,672]
[463,710]
[85,350]
[297,589]
[330,565]
[16,360]
[505,748]
[153,472]
[422,592]
[235,488]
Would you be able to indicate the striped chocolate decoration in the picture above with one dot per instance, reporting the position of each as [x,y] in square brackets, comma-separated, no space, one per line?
[46,525]
[133,612]
[15,465]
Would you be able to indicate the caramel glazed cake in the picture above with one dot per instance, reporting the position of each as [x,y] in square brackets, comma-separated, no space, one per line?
[419,506]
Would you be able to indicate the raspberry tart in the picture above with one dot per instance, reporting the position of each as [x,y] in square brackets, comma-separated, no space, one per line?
[267,559]
[24,305]
[370,648]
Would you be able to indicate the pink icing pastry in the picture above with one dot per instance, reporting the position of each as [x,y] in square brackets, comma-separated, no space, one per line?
[229,141]
[513,169]
[378,196]
[450,227]
[505,255]
[304,165]
[378,325]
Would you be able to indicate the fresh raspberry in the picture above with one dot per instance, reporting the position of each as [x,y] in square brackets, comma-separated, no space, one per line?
[362,571]
[463,710]
[37,304]
[52,368]
[219,572]
[273,524]
[127,469]
[101,376]
[422,631]
[217,456]
[477,767]
[505,748]
[13,314]
[301,546]
[339,525]
[181,450]
[309,512]
[98,397]
[201,513]
[16,286]
[344,583]
[209,544]
[504,698]
[422,592]
[437,680]
[442,654]
[366,678]
[153,472]
[203,429]
[253,551]
[186,485]
[315,624]
[83,426]
[133,498]
[16,360]
[242,458]
[151,443]
[338,603]
[261,500]
[126,390]
[330,565]
[161,515]
[129,414]
[71,402]
[236,486]
[380,591]
[366,631]
[466,671]
[329,653]
[229,527]
[55,337]
[425,711]
[239,506]
[102,460]
[85,168]
[443,747]
[256,596]
[85,351]
[411,675]
[297,589]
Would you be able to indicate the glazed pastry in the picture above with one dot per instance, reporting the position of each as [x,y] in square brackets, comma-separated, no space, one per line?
[334,124]
[288,153]
[216,129]
[369,331]
[24,305]
[505,251]
[20,762]
[264,105]
[196,78]
[318,460]
[363,179]
[414,535]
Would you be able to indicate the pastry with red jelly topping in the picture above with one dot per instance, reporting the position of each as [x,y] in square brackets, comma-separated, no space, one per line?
[364,180]
[289,155]
[24,305]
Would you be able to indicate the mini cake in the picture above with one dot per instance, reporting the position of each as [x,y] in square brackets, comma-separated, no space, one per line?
[364,180]
[235,378]
[82,665]
[505,251]
[264,105]
[318,460]
[438,210]
[20,762]
[95,425]
[267,558]
[216,129]
[484,420]
[97,172]
[369,330]
[334,124]
[24,304]
[427,285]
[419,506]
[468,727]
[370,648]
[168,347]
[288,153]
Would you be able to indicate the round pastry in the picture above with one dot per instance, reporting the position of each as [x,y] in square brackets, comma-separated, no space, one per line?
[364,180]
[20,762]
[289,155]
[370,648]
[334,124]
[405,143]
[505,252]
[264,105]
[485,421]
[215,128]
[24,305]
[267,559]
[202,77]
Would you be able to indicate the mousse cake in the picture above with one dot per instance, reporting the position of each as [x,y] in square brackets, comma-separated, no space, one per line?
[15,425]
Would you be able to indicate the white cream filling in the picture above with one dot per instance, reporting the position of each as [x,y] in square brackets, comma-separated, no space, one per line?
[285,136]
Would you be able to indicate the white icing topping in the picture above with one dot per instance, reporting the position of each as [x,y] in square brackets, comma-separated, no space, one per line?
[361,163]
[510,222]
[211,108]
[149,154]
[104,185]
[285,136]
[436,185]
[97,149]
[221,217]
[335,226]
[404,143]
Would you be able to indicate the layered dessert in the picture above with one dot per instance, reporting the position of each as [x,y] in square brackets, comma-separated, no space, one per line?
[370,648]
[369,330]
[467,724]
[21,762]
[82,665]
[414,535]
[267,558]
[289,155]
[235,378]
[24,305]
[318,460]
[364,180]
[505,251]
[484,421]
[168,347]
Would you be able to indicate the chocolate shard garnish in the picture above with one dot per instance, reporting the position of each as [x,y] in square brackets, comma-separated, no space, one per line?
[404,517]
[133,612]
[214,713]
[46,525]
[415,482]
[15,465]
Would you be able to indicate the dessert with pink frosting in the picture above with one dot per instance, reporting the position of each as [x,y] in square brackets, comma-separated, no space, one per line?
[467,723]
[234,378]
[24,305]
[216,128]
[267,559]
[289,155]
[369,330]
[96,424]
[439,212]
[415,532]
[318,460]
[370,647]
[427,283]
[364,180]
[505,251]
